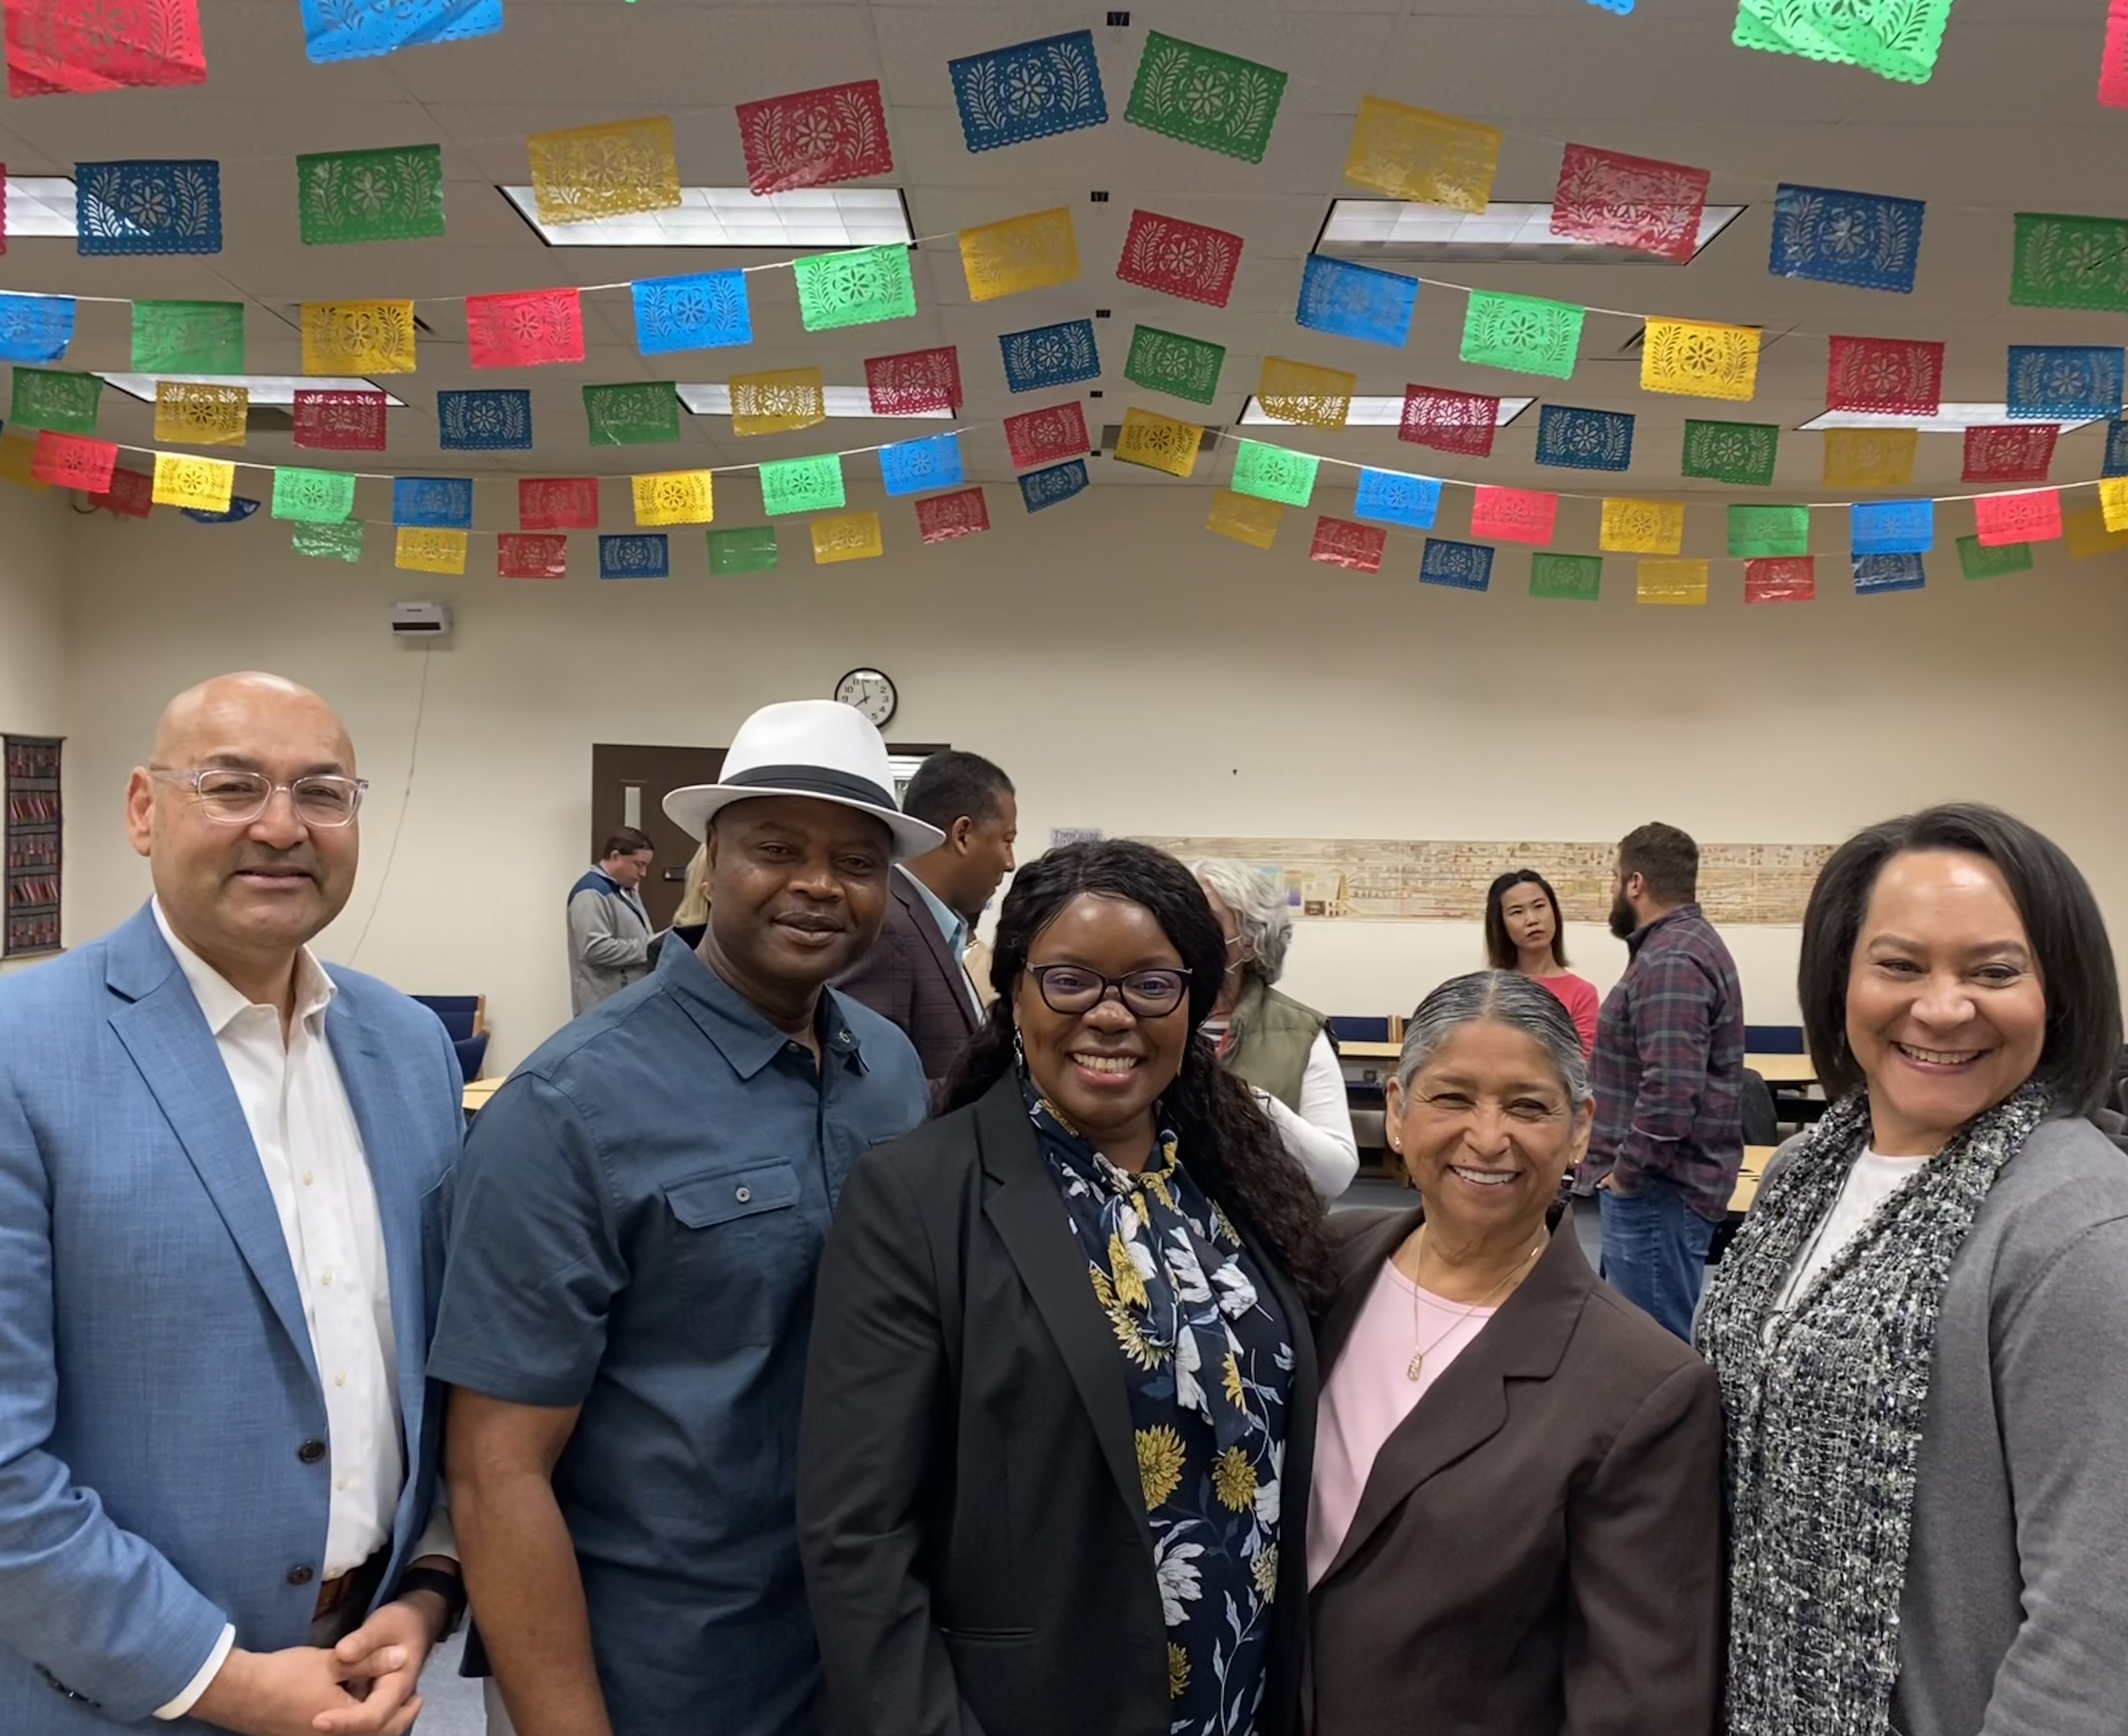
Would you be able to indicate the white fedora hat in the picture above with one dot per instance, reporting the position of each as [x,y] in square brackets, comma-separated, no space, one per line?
[818,748]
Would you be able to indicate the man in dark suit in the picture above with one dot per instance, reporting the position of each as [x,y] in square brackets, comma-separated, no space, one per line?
[916,974]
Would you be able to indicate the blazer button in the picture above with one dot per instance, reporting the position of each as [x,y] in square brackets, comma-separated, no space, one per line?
[311,1452]
[300,1576]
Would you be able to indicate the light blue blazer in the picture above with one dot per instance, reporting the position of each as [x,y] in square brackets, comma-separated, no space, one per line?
[157,1383]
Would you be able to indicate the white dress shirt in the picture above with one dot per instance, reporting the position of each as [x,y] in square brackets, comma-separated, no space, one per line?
[310,1150]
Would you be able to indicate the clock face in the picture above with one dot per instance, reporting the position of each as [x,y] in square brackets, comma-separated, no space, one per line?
[870,693]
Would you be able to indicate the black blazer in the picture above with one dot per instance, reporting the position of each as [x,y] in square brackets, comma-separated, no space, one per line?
[1538,1551]
[910,977]
[974,1531]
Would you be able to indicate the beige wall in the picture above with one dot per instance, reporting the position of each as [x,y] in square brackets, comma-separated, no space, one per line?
[33,546]
[1132,673]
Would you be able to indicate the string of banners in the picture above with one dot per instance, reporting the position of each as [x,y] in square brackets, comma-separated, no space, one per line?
[2045,384]
[1197,95]
[2061,262]
[432,517]
[58,47]
[1857,239]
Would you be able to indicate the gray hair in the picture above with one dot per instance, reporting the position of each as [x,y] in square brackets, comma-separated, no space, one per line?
[1508,998]
[1261,918]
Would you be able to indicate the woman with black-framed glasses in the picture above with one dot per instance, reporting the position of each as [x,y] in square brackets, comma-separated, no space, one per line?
[1060,1409]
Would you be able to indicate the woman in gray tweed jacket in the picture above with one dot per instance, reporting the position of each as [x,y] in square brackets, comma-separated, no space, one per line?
[1921,1331]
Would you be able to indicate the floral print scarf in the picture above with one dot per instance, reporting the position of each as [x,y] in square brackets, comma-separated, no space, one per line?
[1207,1360]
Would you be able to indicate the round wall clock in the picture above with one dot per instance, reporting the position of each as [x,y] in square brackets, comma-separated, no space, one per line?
[871,694]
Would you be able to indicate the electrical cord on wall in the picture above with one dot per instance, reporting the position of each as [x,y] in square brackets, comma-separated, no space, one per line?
[399,824]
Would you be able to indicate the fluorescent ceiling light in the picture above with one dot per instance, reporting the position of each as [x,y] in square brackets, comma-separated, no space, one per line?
[1392,229]
[841,400]
[40,205]
[1949,419]
[1372,413]
[276,389]
[731,216]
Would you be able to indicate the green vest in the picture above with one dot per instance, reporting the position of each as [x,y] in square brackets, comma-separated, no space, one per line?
[1271,1036]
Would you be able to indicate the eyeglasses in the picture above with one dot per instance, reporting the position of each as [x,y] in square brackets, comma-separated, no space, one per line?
[237,798]
[1074,988]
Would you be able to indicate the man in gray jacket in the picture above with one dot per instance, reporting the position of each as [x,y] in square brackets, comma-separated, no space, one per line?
[609,933]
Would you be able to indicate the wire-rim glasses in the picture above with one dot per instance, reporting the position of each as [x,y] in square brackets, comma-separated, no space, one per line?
[234,798]
[1152,994]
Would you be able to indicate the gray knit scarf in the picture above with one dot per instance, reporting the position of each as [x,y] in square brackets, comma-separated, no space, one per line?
[1823,1409]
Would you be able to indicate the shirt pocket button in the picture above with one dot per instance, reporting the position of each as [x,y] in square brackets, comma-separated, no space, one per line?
[743,1195]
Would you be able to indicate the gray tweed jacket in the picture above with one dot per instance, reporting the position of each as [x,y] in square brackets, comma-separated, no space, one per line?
[2015,1619]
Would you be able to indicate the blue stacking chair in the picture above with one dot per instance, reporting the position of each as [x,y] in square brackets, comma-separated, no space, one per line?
[1791,1104]
[465,1018]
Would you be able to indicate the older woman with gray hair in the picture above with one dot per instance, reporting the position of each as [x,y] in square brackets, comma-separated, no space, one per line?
[1516,1523]
[1277,1045]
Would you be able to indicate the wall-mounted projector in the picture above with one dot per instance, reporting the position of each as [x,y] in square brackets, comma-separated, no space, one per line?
[412,621]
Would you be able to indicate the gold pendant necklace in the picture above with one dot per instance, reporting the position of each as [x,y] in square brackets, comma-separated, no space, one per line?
[1415,1369]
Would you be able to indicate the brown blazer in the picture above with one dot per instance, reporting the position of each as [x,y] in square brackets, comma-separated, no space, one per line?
[1538,1548]
[910,978]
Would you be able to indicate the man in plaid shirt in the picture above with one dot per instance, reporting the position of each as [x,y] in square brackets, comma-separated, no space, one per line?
[1669,1072]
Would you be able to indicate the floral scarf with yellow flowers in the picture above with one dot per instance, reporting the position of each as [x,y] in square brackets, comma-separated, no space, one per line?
[1208,1363]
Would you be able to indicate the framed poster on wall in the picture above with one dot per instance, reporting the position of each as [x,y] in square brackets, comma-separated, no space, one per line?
[31,920]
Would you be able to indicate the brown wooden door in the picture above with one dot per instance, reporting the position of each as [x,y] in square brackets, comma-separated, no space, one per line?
[628,786]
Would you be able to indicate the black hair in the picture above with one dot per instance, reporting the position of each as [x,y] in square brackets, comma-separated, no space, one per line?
[1666,859]
[2070,950]
[949,785]
[625,841]
[1230,1146]
[1501,952]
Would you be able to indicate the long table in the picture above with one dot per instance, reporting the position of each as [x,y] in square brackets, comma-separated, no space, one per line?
[1756,1159]
[477,1094]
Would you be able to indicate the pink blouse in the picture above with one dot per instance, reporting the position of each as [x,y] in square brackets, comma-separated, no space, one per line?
[1581,1000]
[1368,1394]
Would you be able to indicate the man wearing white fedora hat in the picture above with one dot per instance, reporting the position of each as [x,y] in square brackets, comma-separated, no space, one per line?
[628,1290]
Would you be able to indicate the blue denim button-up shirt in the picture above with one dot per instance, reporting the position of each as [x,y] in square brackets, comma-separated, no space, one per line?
[634,1230]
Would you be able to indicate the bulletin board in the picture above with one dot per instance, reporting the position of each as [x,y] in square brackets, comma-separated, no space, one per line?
[1426,879]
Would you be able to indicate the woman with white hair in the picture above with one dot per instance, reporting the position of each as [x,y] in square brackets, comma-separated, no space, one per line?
[1279,1046]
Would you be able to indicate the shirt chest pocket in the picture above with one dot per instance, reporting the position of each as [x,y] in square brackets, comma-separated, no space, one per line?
[743,1247]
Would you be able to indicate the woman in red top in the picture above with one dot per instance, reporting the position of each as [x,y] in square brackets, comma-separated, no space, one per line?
[1522,932]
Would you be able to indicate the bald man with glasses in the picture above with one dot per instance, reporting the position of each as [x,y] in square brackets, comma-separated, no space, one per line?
[220,1235]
